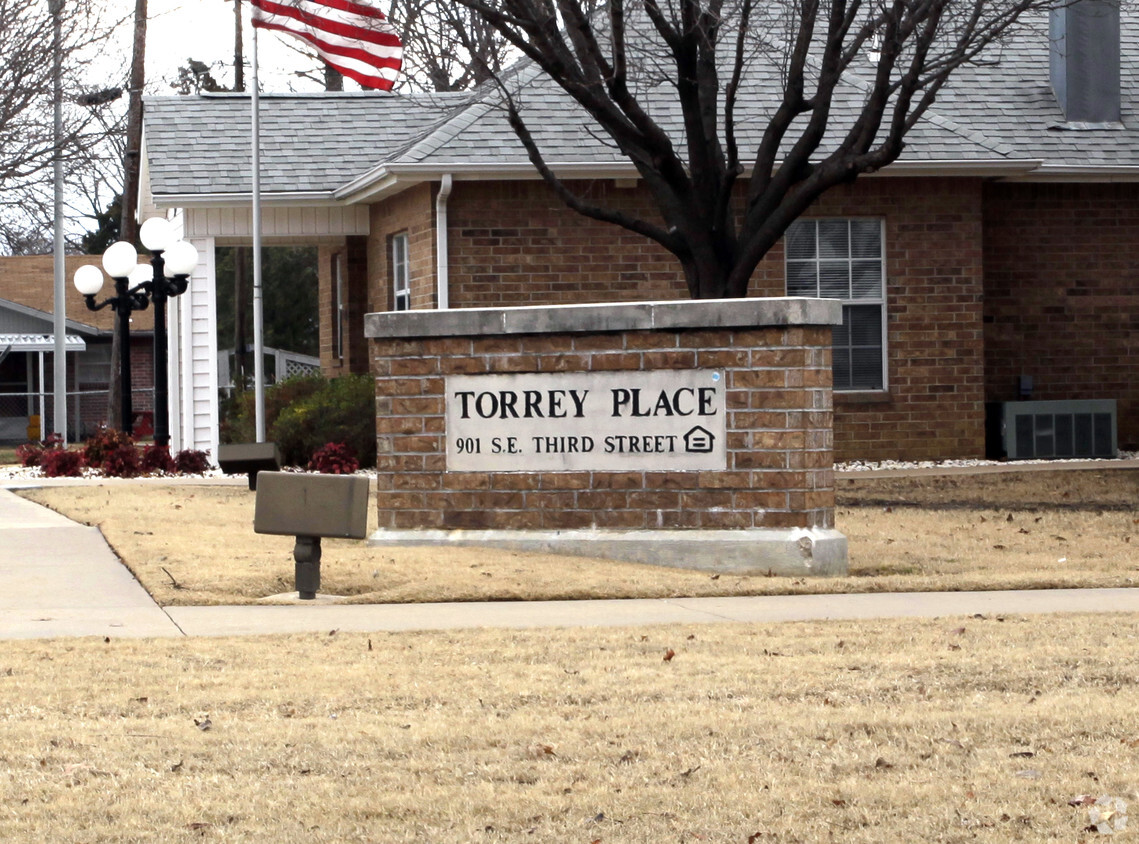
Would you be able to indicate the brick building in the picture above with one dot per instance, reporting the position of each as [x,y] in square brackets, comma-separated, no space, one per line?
[993,262]
[27,305]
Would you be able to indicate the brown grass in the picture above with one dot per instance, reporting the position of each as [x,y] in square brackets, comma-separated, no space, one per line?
[195,545]
[941,730]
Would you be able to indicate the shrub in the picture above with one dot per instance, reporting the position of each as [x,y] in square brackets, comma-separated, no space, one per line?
[29,454]
[102,443]
[191,461]
[123,462]
[60,463]
[156,458]
[334,459]
[239,420]
[342,410]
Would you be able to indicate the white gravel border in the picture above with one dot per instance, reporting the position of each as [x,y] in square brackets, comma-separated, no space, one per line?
[901,465]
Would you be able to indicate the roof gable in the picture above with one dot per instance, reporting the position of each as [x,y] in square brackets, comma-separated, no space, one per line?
[340,146]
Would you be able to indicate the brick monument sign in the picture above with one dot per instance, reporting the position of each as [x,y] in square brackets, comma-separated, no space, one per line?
[694,434]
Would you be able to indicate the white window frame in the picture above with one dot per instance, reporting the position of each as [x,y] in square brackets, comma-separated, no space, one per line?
[879,300]
[401,273]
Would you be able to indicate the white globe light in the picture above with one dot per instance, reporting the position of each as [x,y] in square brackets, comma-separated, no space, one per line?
[156,234]
[119,259]
[181,258]
[88,280]
[141,274]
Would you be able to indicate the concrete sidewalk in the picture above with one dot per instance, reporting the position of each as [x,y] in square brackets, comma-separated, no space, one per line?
[64,580]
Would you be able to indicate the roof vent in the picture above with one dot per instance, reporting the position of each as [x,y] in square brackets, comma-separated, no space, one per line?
[1085,61]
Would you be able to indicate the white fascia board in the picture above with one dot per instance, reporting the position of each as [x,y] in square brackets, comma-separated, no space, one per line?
[961,167]
[1081,173]
[222,200]
[392,179]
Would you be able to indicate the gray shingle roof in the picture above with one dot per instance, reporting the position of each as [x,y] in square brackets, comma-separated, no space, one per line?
[309,142]
[1003,110]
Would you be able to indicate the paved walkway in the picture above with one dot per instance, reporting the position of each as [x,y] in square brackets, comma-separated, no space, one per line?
[62,579]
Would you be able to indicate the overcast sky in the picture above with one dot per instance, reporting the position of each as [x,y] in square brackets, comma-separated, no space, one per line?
[204,30]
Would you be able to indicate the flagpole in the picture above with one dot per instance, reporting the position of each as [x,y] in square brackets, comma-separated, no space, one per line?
[59,307]
[258,338]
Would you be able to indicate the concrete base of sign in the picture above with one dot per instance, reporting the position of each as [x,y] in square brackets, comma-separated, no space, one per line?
[295,598]
[763,551]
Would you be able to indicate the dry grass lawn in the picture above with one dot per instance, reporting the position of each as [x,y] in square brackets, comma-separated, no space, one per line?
[952,730]
[195,545]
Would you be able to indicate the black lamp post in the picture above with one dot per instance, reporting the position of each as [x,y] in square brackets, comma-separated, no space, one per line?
[135,286]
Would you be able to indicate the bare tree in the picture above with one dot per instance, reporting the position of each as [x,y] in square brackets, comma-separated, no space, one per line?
[91,118]
[636,63]
[447,45]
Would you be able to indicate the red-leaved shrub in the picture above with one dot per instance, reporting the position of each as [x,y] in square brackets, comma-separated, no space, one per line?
[29,454]
[123,462]
[191,461]
[60,463]
[155,459]
[102,443]
[333,459]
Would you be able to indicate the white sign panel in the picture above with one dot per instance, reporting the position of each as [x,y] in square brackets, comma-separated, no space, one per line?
[574,421]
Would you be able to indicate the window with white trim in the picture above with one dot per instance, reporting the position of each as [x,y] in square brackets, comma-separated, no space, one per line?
[401,274]
[845,259]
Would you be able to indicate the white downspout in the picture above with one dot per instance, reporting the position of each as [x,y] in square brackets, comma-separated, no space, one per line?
[442,279]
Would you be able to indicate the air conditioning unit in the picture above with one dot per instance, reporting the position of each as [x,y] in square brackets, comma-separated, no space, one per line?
[1020,430]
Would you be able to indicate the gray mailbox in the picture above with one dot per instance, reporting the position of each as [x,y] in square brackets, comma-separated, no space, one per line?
[310,507]
[254,458]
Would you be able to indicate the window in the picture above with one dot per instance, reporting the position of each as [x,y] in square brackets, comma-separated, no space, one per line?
[401,276]
[843,259]
[338,306]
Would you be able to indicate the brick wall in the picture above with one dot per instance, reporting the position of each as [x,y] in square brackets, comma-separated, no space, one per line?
[934,405]
[1062,294]
[352,255]
[30,280]
[413,212]
[515,243]
[778,434]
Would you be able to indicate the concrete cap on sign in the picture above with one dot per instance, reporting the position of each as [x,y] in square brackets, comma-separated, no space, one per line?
[624,316]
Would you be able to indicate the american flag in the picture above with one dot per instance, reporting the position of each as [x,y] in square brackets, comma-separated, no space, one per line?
[353,37]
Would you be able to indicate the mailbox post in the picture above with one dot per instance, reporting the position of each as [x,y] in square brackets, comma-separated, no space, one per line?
[310,507]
